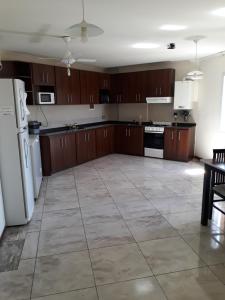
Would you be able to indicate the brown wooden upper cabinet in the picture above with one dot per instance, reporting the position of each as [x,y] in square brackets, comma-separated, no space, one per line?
[135,87]
[179,143]
[104,81]
[160,83]
[67,87]
[89,87]
[118,82]
[129,140]
[43,74]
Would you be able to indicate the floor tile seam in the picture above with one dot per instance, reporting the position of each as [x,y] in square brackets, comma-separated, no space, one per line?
[88,250]
[214,273]
[132,236]
[35,262]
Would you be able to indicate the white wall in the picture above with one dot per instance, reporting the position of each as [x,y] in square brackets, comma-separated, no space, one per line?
[208,134]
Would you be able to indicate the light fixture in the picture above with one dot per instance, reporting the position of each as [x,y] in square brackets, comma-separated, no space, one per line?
[219,12]
[195,74]
[145,46]
[84,29]
[171,27]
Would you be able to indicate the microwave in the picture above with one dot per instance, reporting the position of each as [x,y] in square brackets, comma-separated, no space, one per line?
[46,98]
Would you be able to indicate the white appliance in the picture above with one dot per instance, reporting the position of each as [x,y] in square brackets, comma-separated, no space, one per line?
[184,95]
[36,163]
[46,98]
[154,139]
[15,160]
[159,100]
[2,213]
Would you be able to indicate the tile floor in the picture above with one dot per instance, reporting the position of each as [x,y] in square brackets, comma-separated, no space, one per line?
[119,227]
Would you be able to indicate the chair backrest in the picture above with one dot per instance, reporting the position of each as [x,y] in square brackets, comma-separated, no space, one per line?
[218,157]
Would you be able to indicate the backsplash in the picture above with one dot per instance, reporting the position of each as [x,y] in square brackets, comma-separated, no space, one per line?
[59,115]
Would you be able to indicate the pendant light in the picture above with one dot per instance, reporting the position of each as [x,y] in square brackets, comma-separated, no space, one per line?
[84,29]
[196,74]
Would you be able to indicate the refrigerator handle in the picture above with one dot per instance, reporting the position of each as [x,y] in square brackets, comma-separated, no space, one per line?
[26,151]
[22,109]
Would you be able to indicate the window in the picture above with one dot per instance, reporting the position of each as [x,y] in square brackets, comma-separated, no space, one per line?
[222,116]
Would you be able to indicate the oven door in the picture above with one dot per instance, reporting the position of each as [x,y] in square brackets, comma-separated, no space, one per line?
[154,140]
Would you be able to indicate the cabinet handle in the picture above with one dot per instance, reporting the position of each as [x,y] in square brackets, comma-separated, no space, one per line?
[106,133]
[88,137]
[64,142]
[178,135]
[172,135]
[160,91]
[85,137]
[126,131]
[156,91]
[43,77]
[61,142]
[47,77]
[71,98]
[68,99]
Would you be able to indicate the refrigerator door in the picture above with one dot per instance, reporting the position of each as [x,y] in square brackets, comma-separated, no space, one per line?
[2,213]
[26,169]
[20,103]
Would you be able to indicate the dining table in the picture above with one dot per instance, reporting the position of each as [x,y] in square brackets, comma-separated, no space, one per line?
[210,167]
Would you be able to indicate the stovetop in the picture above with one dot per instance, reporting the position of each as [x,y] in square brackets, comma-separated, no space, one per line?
[158,124]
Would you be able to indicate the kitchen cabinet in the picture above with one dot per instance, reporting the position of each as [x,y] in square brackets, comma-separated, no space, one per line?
[43,75]
[104,81]
[135,87]
[160,83]
[104,141]
[89,87]
[86,146]
[129,140]
[118,87]
[67,87]
[179,143]
[58,152]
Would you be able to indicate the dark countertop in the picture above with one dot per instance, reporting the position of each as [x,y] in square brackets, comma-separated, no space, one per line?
[88,126]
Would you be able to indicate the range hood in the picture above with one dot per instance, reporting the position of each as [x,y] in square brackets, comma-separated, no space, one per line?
[159,100]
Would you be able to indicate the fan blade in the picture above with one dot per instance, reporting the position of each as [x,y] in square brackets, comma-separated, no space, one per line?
[86,60]
[38,36]
[48,58]
[31,34]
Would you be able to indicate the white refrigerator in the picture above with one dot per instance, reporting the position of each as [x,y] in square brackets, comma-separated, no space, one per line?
[2,213]
[15,159]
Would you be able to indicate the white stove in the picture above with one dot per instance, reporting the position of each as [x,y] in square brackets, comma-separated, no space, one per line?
[154,139]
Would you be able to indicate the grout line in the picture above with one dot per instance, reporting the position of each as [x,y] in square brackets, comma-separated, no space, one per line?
[85,236]
[44,196]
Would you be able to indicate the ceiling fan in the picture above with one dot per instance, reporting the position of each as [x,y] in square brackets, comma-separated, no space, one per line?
[196,74]
[68,58]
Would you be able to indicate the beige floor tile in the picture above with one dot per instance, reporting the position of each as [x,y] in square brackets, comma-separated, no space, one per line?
[118,263]
[30,245]
[150,228]
[107,234]
[16,285]
[219,271]
[62,273]
[62,240]
[86,294]
[197,284]
[139,289]
[169,255]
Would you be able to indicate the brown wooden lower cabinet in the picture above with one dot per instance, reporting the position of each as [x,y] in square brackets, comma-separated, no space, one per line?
[129,140]
[58,152]
[86,146]
[104,141]
[179,143]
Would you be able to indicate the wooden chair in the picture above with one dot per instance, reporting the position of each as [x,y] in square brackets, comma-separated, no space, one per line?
[217,182]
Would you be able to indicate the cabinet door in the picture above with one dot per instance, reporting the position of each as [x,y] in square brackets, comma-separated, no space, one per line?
[91,144]
[119,88]
[43,74]
[69,150]
[104,81]
[131,91]
[121,139]
[63,93]
[149,84]
[100,141]
[56,153]
[110,140]
[75,87]
[82,149]
[170,143]
[92,84]
[136,141]
[167,78]
[183,142]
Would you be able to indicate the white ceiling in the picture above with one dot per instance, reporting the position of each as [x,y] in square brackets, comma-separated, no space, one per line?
[125,22]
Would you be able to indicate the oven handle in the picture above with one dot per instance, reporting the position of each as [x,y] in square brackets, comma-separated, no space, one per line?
[158,132]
